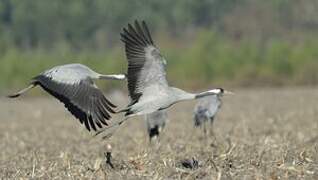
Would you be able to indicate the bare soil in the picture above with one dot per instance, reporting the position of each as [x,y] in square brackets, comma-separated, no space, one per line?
[259,134]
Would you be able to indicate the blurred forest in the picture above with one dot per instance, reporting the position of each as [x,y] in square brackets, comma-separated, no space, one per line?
[207,42]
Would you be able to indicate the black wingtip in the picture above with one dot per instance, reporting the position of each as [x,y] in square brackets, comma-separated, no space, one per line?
[144,23]
[110,103]
[136,23]
[141,22]
[145,27]
[137,34]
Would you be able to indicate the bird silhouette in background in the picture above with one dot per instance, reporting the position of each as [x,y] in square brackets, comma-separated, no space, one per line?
[156,122]
[206,110]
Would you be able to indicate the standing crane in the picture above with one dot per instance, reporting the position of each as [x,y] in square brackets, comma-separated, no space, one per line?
[206,110]
[147,84]
[156,121]
[73,85]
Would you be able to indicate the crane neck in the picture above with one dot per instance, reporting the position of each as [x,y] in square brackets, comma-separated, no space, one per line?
[206,93]
[180,95]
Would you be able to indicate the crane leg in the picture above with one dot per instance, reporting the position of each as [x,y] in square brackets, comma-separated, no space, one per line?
[211,129]
[205,131]
[32,85]
[213,135]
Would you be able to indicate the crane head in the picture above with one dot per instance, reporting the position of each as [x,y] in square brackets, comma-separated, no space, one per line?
[221,92]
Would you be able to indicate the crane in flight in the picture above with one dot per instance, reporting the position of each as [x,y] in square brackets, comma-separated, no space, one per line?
[147,84]
[73,85]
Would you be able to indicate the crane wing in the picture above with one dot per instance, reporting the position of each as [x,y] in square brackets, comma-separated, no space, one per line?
[146,66]
[82,98]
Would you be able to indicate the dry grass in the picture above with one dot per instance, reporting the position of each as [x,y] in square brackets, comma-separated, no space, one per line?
[260,134]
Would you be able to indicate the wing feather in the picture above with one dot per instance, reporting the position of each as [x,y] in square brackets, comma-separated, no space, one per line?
[145,64]
[83,99]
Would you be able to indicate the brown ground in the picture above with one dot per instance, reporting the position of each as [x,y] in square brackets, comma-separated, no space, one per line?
[260,134]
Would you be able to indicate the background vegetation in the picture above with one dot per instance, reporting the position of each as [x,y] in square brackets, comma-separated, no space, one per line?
[218,42]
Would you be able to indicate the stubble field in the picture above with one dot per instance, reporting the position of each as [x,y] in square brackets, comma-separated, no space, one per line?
[259,134]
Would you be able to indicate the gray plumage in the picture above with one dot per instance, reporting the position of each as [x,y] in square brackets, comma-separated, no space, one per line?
[156,121]
[73,85]
[206,110]
[147,84]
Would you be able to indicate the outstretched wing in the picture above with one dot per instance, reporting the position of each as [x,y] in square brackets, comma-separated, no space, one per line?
[81,97]
[146,66]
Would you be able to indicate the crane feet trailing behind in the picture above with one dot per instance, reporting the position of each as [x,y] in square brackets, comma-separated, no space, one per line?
[32,85]
[109,130]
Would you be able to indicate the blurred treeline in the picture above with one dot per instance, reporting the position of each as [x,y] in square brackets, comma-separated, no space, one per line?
[206,42]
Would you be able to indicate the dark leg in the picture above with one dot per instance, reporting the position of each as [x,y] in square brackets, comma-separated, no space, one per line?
[108,156]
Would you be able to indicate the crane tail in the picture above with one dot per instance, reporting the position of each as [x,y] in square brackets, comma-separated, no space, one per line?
[32,85]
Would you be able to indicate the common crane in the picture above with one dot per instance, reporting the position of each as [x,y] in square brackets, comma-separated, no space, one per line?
[156,121]
[147,84]
[206,110]
[73,85]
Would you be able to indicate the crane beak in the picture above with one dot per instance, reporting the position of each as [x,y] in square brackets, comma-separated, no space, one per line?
[228,92]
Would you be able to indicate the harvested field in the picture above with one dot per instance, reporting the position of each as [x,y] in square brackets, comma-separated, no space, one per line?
[260,134]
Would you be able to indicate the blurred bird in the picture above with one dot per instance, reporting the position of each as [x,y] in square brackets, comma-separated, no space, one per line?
[206,110]
[73,85]
[147,84]
[156,121]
